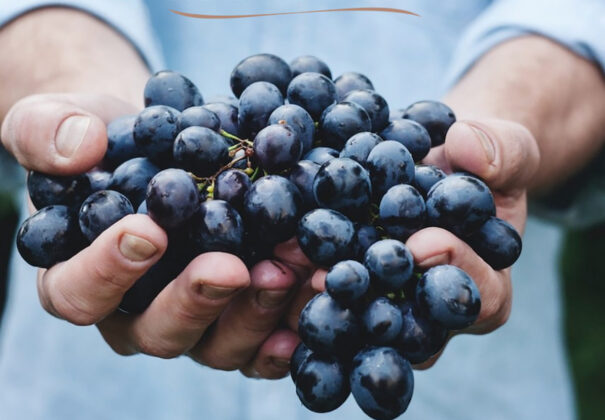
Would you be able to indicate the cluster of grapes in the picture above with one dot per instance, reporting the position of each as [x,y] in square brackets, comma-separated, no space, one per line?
[296,154]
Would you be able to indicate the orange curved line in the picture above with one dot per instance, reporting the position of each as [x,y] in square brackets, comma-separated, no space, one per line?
[350,9]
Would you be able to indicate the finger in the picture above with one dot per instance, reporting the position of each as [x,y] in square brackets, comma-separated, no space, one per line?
[91,284]
[503,153]
[318,280]
[304,294]
[435,246]
[249,319]
[434,358]
[273,358]
[178,317]
[290,254]
[60,133]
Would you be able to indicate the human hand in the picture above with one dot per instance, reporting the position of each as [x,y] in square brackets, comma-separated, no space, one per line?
[506,156]
[65,134]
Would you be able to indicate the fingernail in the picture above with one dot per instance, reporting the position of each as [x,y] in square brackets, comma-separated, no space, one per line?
[281,363]
[435,260]
[70,134]
[270,299]
[486,143]
[216,292]
[135,248]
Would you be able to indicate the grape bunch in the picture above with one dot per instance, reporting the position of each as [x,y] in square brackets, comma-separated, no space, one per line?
[294,154]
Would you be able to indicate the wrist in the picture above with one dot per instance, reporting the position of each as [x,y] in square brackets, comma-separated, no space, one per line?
[41,59]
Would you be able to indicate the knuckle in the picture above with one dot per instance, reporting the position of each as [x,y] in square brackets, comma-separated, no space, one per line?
[186,314]
[120,350]
[106,274]
[496,307]
[73,310]
[212,359]
[119,347]
[158,348]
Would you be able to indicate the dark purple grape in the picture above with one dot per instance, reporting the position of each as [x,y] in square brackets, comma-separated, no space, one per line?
[348,282]
[497,242]
[426,176]
[232,185]
[460,204]
[328,328]
[390,265]
[49,236]
[100,211]
[131,179]
[301,353]
[402,211]
[321,155]
[359,146]
[172,89]
[99,180]
[224,99]
[200,150]
[435,116]
[350,81]
[420,337]
[198,116]
[277,147]
[298,120]
[374,104]
[449,296]
[326,236]
[312,91]
[260,68]
[389,164]
[217,226]
[322,383]
[172,198]
[302,175]
[411,134]
[241,160]
[272,207]
[343,185]
[120,142]
[365,236]
[155,129]
[46,190]
[256,104]
[227,114]
[309,63]
[382,382]
[340,122]
[256,250]
[382,322]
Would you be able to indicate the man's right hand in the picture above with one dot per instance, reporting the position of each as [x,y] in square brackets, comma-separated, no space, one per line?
[64,134]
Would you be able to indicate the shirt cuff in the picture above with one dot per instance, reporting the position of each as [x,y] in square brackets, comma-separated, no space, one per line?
[129,18]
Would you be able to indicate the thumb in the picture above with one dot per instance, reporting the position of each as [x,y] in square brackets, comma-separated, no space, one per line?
[60,134]
[503,153]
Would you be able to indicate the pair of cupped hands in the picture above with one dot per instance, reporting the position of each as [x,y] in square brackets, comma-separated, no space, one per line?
[216,311]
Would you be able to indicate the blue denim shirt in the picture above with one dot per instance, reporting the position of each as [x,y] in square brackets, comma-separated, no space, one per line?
[50,369]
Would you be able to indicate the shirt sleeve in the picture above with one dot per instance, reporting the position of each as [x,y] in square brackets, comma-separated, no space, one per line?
[129,18]
[580,27]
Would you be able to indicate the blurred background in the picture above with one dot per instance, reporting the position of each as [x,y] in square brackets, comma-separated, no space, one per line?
[584,295]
